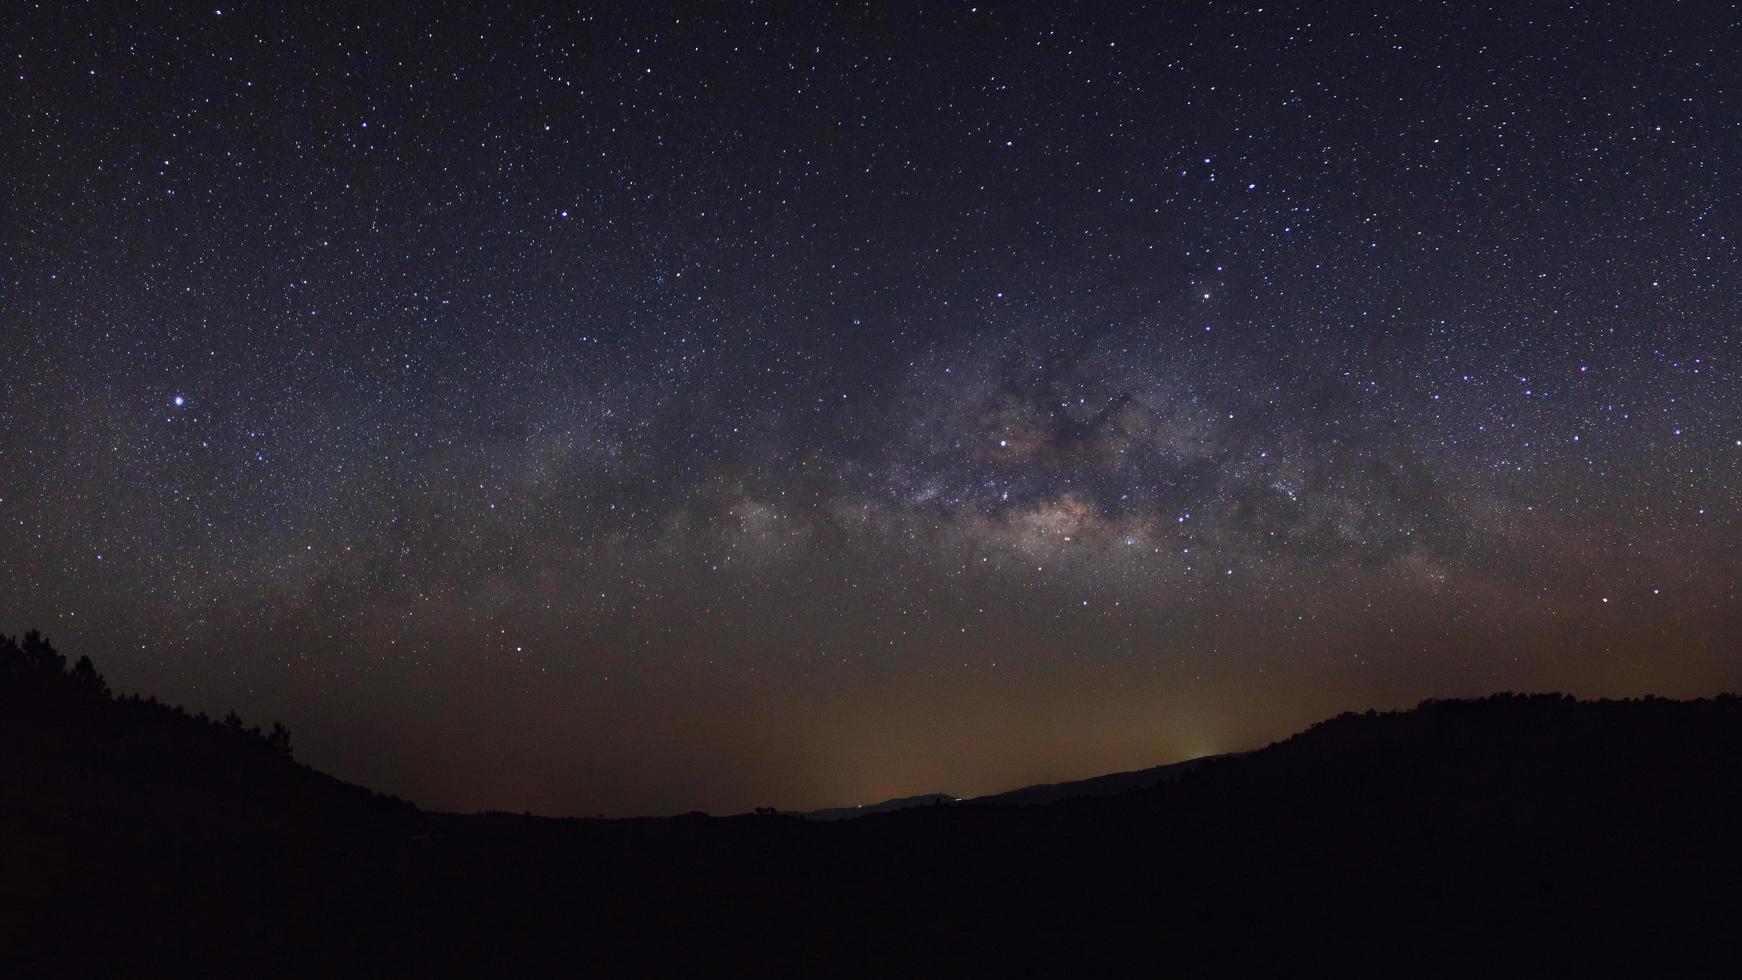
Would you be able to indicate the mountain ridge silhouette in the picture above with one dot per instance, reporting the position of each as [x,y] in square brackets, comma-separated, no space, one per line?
[1509,835]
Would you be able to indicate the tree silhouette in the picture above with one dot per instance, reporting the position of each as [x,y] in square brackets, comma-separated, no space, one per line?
[41,656]
[86,678]
[279,739]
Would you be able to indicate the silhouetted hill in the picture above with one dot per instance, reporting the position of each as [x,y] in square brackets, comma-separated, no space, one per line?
[887,806]
[1513,835]
[1037,795]
[1108,785]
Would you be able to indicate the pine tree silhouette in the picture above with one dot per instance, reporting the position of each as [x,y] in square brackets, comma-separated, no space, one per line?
[279,739]
[41,656]
[86,678]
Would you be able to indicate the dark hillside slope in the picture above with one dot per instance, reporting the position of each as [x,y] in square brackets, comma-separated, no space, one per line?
[1108,785]
[887,806]
[121,813]
[1514,835]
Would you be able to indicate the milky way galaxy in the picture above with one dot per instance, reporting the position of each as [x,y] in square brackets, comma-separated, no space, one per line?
[632,411]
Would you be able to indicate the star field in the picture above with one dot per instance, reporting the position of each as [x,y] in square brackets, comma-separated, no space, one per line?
[643,410]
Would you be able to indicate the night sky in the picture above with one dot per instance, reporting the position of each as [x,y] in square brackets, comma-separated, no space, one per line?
[648,409]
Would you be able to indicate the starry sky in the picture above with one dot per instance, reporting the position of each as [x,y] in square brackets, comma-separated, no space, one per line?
[644,408]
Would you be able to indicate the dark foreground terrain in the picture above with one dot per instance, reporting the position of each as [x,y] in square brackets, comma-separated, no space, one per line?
[1514,835]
